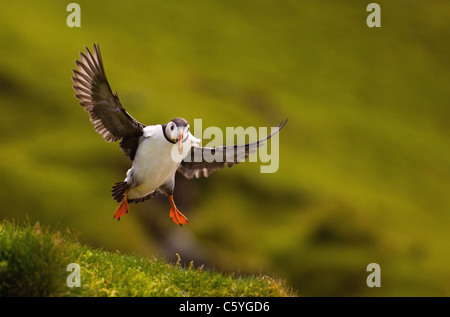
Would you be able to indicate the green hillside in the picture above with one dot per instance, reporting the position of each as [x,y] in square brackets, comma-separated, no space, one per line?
[37,262]
[364,159]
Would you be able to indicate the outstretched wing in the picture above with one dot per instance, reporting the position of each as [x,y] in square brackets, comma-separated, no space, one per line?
[203,161]
[107,114]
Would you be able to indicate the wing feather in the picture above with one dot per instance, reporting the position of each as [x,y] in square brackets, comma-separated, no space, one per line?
[201,161]
[106,112]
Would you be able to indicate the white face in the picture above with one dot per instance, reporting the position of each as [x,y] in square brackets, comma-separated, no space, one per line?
[173,132]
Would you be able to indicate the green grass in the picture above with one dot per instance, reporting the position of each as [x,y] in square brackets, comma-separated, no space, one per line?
[33,262]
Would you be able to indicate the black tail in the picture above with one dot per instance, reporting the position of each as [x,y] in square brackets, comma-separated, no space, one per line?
[118,191]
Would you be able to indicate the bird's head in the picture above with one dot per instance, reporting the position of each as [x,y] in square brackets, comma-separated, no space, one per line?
[177,130]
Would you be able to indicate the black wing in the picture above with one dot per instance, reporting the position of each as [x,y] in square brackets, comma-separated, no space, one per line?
[107,114]
[201,160]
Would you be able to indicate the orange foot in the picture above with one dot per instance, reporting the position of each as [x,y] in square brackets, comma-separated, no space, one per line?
[175,214]
[123,207]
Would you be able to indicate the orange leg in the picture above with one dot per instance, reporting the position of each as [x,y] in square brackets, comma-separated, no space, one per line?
[123,207]
[175,214]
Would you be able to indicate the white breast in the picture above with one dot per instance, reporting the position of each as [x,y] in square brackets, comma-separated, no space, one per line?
[154,163]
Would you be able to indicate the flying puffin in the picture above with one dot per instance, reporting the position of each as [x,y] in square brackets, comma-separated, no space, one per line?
[150,147]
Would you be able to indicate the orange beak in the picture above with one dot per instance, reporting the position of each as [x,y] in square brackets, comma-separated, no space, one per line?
[180,141]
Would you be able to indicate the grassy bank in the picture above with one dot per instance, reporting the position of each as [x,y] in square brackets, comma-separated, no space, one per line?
[34,260]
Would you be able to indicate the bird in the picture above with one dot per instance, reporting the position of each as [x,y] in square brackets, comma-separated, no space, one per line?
[149,147]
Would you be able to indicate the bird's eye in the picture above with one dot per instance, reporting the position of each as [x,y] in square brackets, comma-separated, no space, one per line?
[171,127]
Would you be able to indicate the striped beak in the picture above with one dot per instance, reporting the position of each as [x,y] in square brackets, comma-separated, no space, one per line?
[180,140]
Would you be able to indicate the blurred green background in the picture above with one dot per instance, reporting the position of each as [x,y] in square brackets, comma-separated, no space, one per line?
[364,170]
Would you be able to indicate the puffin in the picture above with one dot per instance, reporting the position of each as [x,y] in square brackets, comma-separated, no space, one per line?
[157,151]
